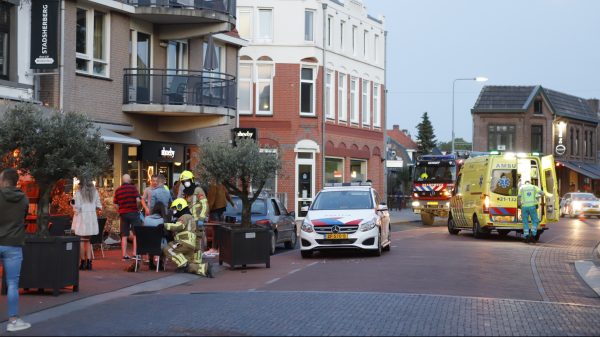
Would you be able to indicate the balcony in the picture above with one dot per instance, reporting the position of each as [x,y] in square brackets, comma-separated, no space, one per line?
[185,11]
[208,96]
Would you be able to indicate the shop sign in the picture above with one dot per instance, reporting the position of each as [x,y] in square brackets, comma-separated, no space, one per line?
[244,133]
[159,152]
[561,134]
[44,34]
[170,153]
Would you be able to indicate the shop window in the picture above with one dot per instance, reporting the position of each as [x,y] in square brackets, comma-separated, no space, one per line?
[358,170]
[334,170]
[501,137]
[537,138]
[5,9]
[91,42]
[133,165]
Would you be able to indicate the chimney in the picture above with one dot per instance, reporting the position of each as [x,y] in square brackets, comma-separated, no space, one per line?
[396,127]
[594,103]
[405,131]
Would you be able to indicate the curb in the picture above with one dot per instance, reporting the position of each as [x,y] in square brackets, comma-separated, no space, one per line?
[596,255]
[590,273]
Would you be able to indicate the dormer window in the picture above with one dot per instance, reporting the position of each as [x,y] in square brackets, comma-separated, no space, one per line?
[537,107]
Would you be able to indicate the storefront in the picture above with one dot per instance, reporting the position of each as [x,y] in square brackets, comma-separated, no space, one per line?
[168,159]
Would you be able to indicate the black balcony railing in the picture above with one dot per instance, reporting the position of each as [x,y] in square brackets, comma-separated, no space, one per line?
[179,87]
[224,6]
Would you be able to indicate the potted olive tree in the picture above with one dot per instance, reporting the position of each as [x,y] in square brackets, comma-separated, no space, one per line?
[50,145]
[240,168]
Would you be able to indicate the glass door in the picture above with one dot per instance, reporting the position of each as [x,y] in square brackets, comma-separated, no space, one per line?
[305,181]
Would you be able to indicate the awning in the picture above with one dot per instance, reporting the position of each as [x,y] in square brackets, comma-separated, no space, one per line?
[587,169]
[113,137]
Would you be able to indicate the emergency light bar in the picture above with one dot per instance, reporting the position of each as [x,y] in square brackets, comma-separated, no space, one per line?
[348,184]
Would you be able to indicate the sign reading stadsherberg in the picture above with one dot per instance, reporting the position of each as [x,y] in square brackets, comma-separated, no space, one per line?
[44,34]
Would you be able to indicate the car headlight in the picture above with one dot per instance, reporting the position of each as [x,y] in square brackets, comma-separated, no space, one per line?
[307,226]
[367,226]
[576,205]
[415,204]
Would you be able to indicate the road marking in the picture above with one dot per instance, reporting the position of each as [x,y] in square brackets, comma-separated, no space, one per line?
[294,271]
[312,264]
[273,280]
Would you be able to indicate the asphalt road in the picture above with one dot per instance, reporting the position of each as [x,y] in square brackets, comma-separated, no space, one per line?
[429,283]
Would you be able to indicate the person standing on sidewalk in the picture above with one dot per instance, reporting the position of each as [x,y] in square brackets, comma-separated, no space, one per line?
[218,197]
[85,219]
[160,195]
[15,206]
[127,199]
[528,198]
[147,195]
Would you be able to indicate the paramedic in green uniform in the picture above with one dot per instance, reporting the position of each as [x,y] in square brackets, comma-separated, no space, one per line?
[529,200]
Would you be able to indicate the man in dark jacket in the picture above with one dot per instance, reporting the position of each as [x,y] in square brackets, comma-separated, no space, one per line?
[14,206]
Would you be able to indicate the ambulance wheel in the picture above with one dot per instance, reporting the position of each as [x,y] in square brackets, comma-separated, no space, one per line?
[427,219]
[452,226]
[476,228]
[503,232]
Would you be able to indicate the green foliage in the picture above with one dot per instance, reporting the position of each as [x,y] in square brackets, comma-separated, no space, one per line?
[238,168]
[51,146]
[425,137]
[459,144]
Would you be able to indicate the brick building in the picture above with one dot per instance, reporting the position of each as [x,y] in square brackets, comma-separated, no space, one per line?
[156,77]
[306,60]
[537,119]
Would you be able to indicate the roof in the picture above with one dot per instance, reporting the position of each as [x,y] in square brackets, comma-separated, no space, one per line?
[403,139]
[518,99]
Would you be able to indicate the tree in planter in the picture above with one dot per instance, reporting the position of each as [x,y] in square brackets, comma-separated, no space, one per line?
[50,146]
[238,168]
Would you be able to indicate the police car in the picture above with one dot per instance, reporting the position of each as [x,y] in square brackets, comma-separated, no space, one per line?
[346,215]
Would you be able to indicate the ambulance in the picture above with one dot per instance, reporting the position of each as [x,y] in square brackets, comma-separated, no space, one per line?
[484,199]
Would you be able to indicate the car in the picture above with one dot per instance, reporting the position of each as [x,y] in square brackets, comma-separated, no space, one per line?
[271,213]
[577,204]
[346,215]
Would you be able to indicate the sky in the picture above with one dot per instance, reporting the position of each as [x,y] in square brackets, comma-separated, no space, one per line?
[553,43]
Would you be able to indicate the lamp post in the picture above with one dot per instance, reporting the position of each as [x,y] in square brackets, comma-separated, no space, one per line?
[478,79]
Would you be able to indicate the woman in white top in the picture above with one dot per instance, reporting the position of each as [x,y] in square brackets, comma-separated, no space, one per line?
[85,220]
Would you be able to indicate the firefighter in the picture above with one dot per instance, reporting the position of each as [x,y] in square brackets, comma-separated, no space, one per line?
[196,198]
[183,250]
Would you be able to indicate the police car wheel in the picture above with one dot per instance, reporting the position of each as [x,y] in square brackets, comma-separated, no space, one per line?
[379,250]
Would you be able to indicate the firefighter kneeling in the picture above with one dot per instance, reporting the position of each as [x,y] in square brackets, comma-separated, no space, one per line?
[183,250]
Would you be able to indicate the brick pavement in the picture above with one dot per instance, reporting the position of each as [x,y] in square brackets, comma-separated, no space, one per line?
[323,313]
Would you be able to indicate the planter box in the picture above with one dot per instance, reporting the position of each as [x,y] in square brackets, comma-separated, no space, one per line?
[243,246]
[49,263]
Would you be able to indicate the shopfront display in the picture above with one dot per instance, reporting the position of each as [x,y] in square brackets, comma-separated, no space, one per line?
[151,158]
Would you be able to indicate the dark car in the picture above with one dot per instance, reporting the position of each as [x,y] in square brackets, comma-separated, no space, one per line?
[271,213]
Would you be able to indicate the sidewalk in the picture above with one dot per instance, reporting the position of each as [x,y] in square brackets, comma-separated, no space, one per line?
[403,216]
[589,270]
[108,276]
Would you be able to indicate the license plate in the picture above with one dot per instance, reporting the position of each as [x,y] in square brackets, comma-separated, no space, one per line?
[336,236]
[432,203]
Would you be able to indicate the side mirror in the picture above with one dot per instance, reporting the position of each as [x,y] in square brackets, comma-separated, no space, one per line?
[304,209]
[382,207]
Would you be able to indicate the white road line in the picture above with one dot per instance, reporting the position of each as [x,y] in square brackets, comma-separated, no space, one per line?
[295,270]
[312,264]
[273,280]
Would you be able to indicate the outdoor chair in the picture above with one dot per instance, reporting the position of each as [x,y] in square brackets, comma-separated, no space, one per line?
[149,241]
[58,225]
[98,238]
[176,91]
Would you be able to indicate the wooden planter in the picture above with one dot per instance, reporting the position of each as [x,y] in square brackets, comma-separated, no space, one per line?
[243,246]
[49,263]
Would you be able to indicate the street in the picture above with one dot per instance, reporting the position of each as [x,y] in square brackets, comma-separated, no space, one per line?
[430,283]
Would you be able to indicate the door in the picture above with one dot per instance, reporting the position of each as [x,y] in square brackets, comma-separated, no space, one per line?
[550,189]
[305,182]
[139,87]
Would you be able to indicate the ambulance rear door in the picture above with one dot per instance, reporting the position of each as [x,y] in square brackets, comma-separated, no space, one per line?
[550,187]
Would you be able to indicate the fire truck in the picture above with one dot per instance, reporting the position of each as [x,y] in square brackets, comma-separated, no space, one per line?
[433,182]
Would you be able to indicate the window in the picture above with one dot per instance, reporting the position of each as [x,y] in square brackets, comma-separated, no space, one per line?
[571,136]
[376,106]
[501,137]
[91,42]
[592,143]
[307,91]
[334,170]
[375,46]
[329,95]
[585,143]
[504,182]
[265,24]
[342,97]
[354,37]
[354,100]
[537,107]
[358,170]
[365,39]
[537,138]
[245,88]
[244,23]
[366,102]
[264,88]
[342,27]
[577,142]
[270,187]
[5,9]
[309,23]
[329,23]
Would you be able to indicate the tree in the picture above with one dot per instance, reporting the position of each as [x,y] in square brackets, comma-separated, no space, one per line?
[50,146]
[459,144]
[425,138]
[238,168]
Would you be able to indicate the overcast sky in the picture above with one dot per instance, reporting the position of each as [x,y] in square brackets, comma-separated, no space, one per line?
[553,43]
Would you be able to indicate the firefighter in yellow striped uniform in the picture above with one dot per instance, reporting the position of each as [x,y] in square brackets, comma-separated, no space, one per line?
[196,199]
[183,250]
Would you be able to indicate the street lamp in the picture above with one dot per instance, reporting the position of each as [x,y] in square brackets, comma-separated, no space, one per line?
[478,79]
